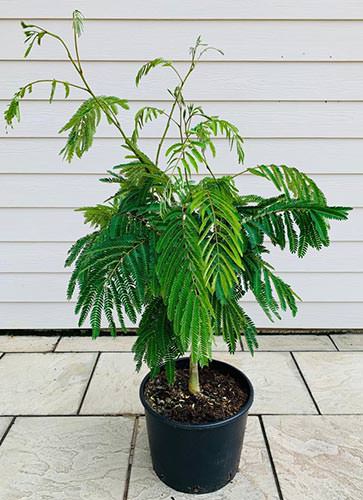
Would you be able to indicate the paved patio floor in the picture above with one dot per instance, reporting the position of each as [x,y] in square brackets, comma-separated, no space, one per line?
[71,425]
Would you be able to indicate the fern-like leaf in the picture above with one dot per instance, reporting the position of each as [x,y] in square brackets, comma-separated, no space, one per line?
[301,222]
[232,322]
[291,182]
[111,273]
[143,116]
[77,22]
[83,124]
[156,343]
[221,239]
[98,216]
[215,126]
[181,273]
[147,67]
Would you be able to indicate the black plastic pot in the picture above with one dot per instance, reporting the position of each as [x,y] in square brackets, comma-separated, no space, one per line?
[197,458]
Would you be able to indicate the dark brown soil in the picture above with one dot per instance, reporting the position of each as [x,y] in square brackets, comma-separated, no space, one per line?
[221,397]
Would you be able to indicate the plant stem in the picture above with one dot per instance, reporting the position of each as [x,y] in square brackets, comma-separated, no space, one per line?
[193,386]
[177,96]
[50,80]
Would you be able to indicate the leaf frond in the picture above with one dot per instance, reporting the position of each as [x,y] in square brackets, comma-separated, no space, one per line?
[147,67]
[83,124]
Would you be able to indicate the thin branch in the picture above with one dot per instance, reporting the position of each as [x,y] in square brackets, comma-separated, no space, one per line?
[48,80]
[240,173]
[178,94]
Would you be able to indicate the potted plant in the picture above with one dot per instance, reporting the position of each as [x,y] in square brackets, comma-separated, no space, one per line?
[181,252]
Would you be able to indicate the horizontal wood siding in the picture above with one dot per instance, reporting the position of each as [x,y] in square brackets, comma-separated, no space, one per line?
[292,80]
[188,9]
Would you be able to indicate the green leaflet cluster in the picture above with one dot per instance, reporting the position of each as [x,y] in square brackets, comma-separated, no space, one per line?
[183,284]
[83,124]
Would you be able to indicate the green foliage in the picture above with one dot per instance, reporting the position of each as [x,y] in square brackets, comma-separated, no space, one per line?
[191,152]
[143,116]
[180,254]
[291,182]
[83,124]
[111,271]
[259,278]
[78,20]
[12,111]
[232,322]
[181,271]
[99,216]
[156,342]
[221,240]
[146,68]
[33,34]
[214,126]
[298,222]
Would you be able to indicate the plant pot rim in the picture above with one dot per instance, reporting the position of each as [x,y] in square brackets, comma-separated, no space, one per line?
[208,425]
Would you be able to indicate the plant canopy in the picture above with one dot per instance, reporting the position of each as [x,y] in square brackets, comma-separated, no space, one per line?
[177,253]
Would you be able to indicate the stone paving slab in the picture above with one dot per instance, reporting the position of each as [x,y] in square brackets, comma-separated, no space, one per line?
[4,424]
[219,345]
[349,341]
[254,481]
[115,344]
[278,385]
[114,388]
[317,457]
[43,384]
[27,343]
[335,380]
[65,458]
[87,344]
[294,343]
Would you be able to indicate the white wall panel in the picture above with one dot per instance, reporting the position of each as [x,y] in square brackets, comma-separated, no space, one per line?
[188,9]
[242,40]
[227,81]
[314,156]
[255,119]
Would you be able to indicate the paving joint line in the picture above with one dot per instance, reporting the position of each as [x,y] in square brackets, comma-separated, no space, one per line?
[88,383]
[56,344]
[7,430]
[293,350]
[131,457]
[72,415]
[142,415]
[215,351]
[334,344]
[272,463]
[305,383]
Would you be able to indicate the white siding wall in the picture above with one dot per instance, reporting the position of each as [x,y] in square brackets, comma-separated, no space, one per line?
[291,78]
